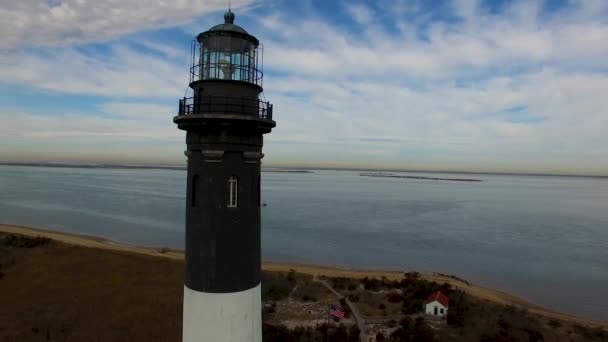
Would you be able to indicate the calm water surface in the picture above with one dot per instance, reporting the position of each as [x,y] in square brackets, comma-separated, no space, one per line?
[542,238]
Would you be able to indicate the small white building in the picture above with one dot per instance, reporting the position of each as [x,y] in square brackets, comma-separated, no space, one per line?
[437,304]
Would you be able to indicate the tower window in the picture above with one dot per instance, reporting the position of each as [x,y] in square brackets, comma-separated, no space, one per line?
[233,187]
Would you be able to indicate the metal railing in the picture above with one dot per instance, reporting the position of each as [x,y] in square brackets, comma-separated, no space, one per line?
[226,71]
[225,105]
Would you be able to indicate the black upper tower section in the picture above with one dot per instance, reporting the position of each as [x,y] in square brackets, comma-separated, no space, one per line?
[225,121]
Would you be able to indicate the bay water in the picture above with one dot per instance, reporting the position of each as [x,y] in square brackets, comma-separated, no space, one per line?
[544,238]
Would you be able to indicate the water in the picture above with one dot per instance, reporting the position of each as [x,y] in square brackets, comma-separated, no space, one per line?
[542,238]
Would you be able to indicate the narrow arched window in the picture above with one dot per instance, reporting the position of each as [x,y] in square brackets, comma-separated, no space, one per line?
[194,191]
[233,192]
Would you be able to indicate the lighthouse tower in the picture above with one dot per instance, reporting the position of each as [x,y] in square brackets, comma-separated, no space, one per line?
[225,120]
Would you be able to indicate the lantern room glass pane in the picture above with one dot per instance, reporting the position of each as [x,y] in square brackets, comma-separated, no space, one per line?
[228,58]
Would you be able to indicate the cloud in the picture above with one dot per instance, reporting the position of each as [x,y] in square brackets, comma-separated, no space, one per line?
[126,121]
[360,13]
[123,71]
[450,86]
[509,40]
[414,90]
[67,22]
[127,132]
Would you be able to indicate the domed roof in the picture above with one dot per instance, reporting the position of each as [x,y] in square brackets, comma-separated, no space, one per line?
[228,24]
[228,28]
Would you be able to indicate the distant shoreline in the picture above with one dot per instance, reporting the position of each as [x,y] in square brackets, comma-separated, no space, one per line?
[97,166]
[475,290]
[289,169]
[390,175]
[132,167]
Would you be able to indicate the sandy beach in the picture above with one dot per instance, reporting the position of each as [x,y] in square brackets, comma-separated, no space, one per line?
[475,290]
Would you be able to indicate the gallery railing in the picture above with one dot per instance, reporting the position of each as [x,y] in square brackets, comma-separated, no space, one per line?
[225,105]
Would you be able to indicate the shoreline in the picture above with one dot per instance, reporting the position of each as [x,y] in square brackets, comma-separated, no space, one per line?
[319,168]
[477,291]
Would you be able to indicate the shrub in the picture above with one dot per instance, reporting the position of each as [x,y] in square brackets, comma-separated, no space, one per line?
[381,306]
[372,284]
[601,334]
[501,336]
[583,331]
[415,330]
[275,292]
[291,276]
[458,307]
[340,283]
[534,335]
[394,297]
[308,298]
[24,241]
[411,307]
[503,324]
[353,298]
[554,323]
[412,275]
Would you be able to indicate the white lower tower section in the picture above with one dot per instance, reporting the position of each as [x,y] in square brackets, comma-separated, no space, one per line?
[223,317]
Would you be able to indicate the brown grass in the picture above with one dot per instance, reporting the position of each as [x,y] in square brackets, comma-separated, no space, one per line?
[61,292]
[53,277]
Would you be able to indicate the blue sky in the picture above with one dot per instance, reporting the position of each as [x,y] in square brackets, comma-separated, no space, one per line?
[511,86]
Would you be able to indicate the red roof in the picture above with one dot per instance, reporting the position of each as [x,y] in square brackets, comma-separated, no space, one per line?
[440,297]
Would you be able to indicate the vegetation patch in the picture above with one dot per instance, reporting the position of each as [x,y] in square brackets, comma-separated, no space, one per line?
[451,276]
[275,292]
[411,330]
[21,241]
[313,292]
[54,286]
[589,333]
[279,333]
[277,286]
[342,283]
[553,323]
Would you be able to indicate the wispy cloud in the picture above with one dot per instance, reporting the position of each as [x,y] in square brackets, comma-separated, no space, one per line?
[66,22]
[361,13]
[120,71]
[462,84]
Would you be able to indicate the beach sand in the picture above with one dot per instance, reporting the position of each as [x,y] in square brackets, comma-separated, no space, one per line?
[474,290]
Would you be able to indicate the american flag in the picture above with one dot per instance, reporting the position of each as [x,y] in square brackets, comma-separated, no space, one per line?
[335,311]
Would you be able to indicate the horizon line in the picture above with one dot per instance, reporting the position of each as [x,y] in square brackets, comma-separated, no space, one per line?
[337,168]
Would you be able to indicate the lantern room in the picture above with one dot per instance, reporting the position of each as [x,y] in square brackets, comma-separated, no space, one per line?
[226,52]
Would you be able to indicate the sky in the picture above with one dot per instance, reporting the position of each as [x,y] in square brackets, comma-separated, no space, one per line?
[457,85]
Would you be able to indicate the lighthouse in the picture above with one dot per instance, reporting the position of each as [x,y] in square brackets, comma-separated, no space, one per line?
[225,120]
